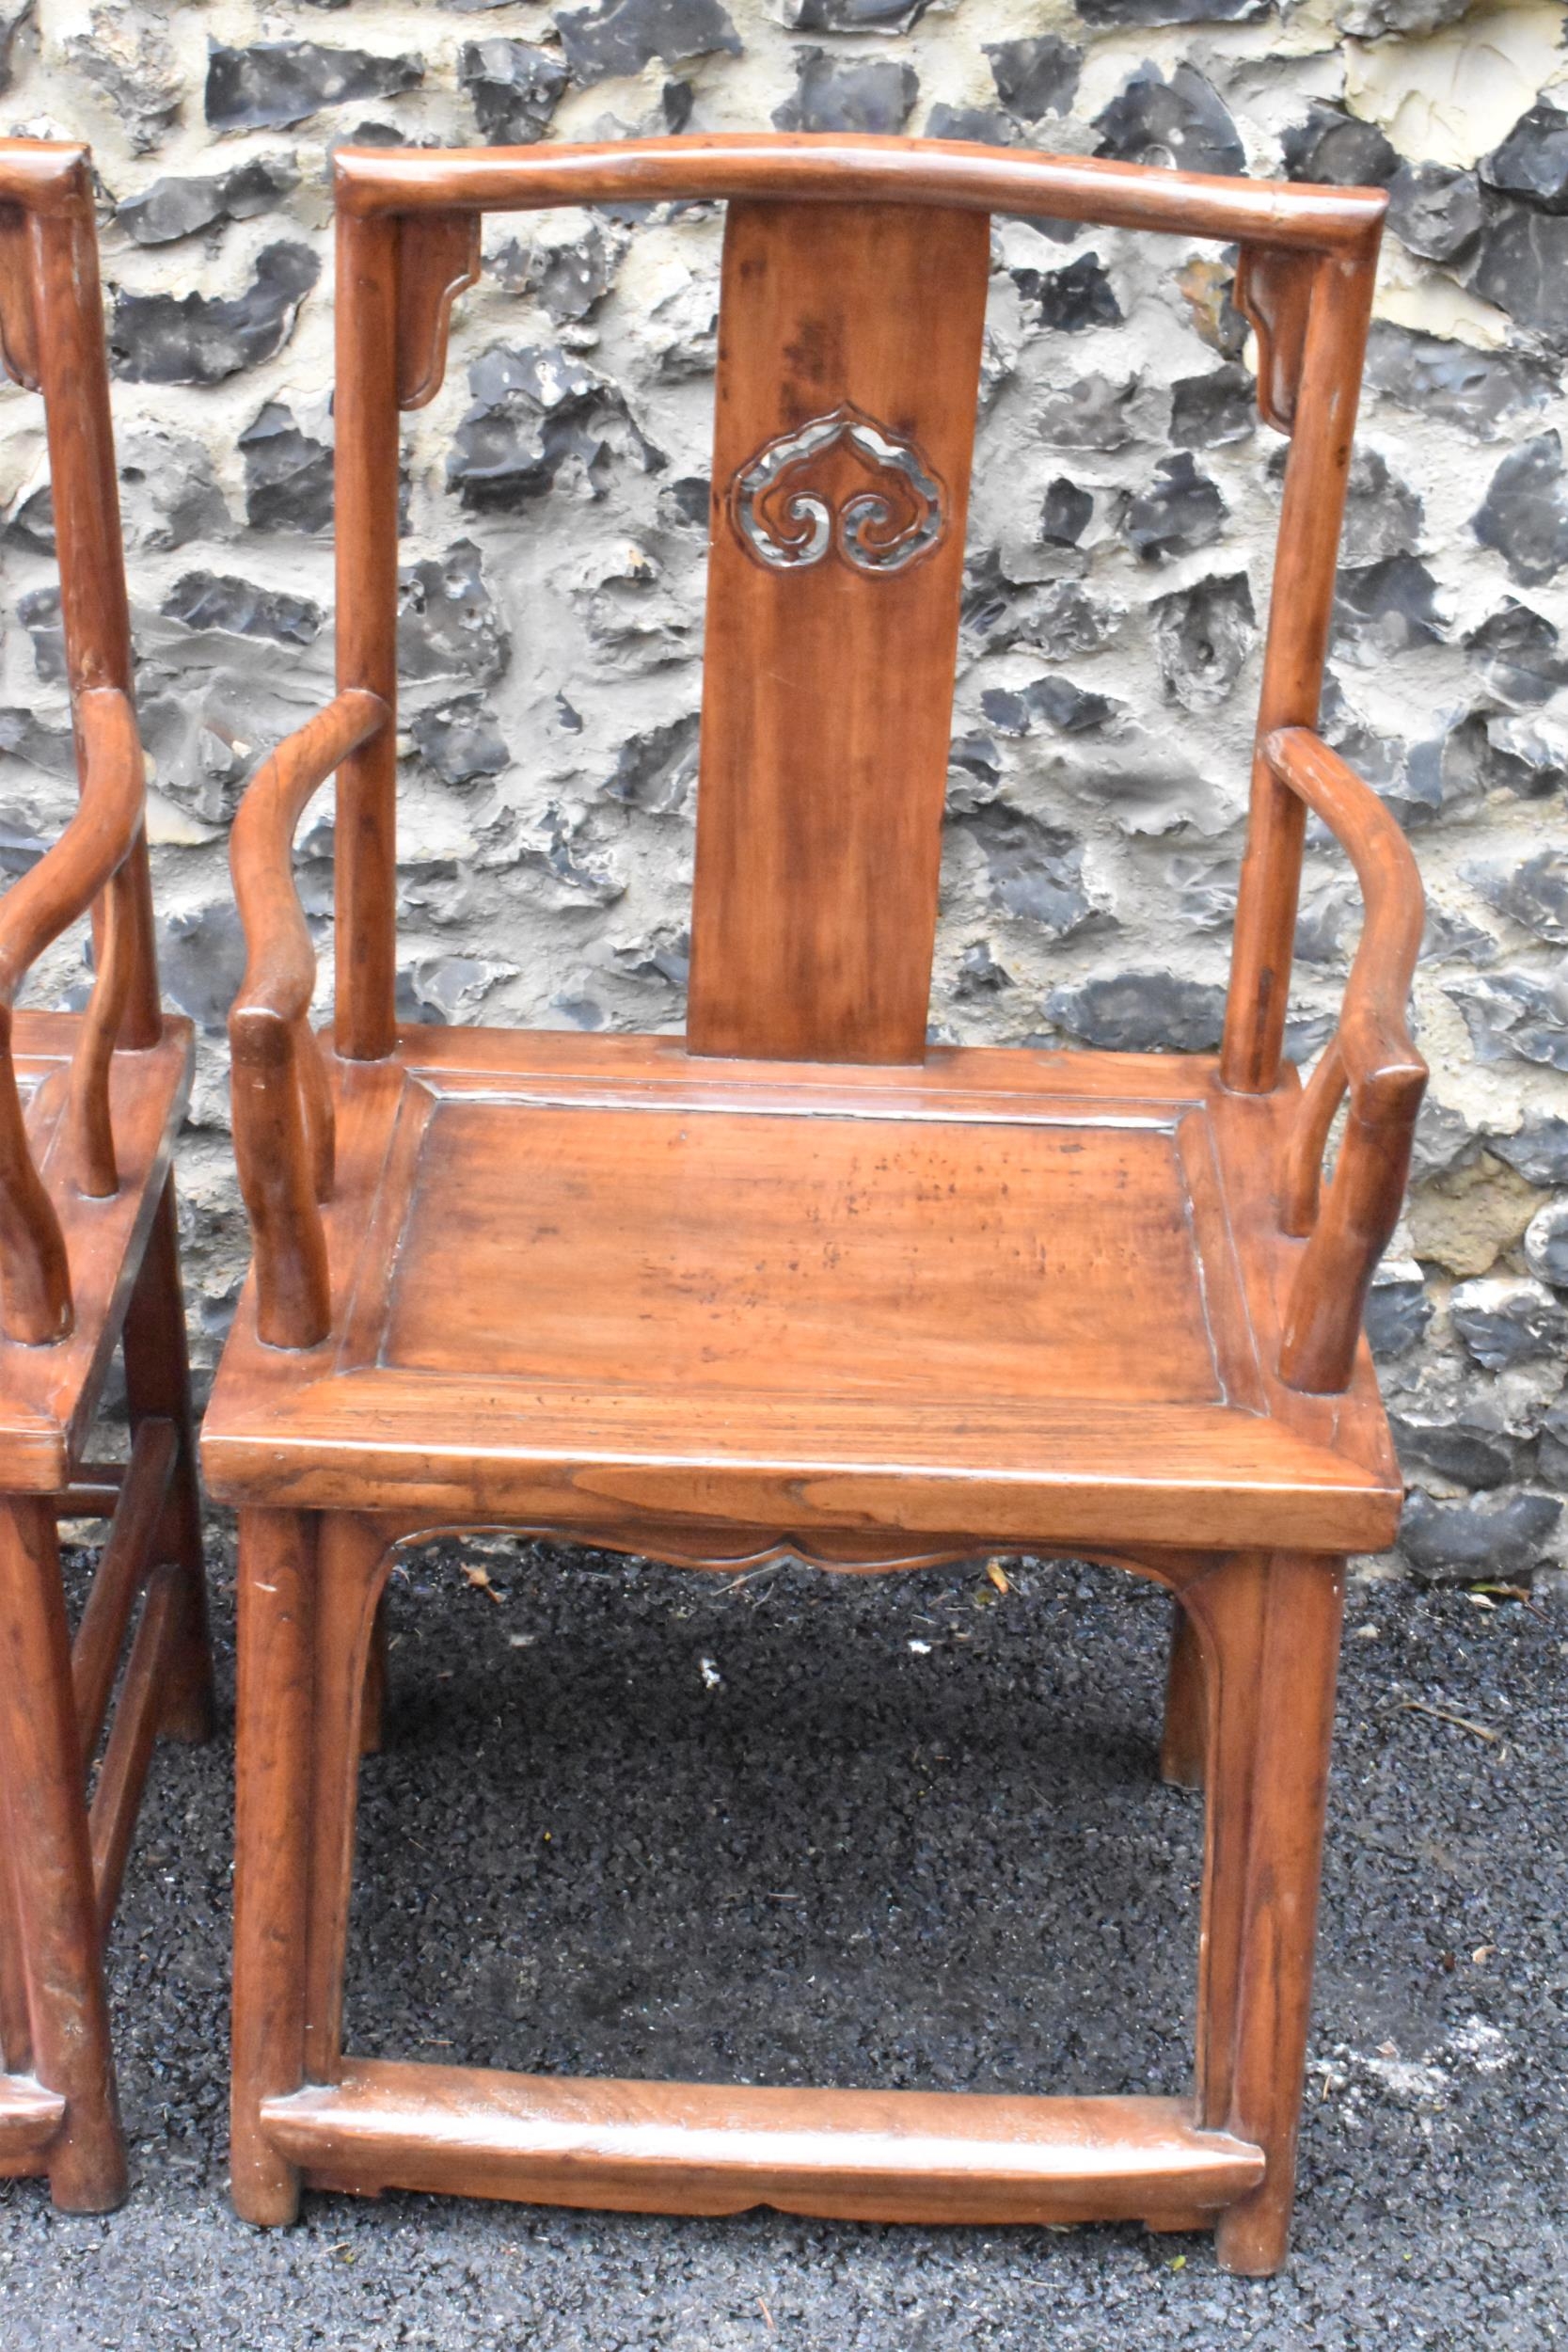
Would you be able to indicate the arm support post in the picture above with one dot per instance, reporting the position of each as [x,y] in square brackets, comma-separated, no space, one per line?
[282,1104]
[1371,1058]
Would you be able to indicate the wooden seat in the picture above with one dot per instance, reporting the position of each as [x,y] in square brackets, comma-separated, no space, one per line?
[89,1106]
[1010,1295]
[794,1283]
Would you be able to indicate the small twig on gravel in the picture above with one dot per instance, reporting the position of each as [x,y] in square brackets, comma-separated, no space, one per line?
[769,1567]
[1444,1715]
[772,2323]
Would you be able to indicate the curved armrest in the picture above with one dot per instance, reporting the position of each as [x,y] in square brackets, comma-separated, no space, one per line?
[90,854]
[282,1106]
[1370,1057]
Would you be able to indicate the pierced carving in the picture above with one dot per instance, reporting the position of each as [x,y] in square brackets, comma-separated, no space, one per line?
[437,257]
[1274,292]
[840,485]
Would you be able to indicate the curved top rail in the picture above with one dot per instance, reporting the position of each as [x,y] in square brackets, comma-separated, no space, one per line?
[829,167]
[46,176]
[1373,1033]
[63,884]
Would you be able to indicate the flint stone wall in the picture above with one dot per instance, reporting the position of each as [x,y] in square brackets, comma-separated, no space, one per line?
[1118,565]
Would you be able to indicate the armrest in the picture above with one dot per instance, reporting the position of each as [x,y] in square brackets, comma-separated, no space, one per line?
[89,855]
[1370,1057]
[282,1106]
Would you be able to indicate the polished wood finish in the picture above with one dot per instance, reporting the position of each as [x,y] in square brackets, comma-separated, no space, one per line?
[899,2155]
[795,1285]
[815,900]
[1371,1057]
[1322,391]
[89,1105]
[1182,1745]
[374,183]
[1066,1309]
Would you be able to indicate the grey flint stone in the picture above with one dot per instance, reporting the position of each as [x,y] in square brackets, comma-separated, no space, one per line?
[1398,1309]
[1508,1319]
[1501,1535]
[622,36]
[1534,893]
[853,16]
[1386,608]
[171,209]
[1142,1012]
[848,94]
[1532,161]
[1340,149]
[539,413]
[1538,1148]
[1035,870]
[448,624]
[1547,1244]
[514,89]
[1525,512]
[1513,1015]
[1521,264]
[1053,702]
[209,601]
[277,82]
[1472,390]
[288,474]
[1182,511]
[1078,296]
[460,739]
[1181,122]
[1515,652]
[202,339]
[988,126]
[1212,411]
[1436,209]
[1202,636]
[1037,76]
[1109,13]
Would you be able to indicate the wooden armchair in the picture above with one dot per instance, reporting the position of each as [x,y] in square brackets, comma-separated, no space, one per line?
[795,1284]
[89,1106]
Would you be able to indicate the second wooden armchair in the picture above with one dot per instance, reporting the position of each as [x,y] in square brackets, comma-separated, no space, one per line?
[90,1104]
[794,1283]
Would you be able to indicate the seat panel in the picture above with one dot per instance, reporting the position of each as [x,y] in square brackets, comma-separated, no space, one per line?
[1028,1296]
[813,1255]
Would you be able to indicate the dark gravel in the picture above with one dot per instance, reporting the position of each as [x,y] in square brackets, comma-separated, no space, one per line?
[641,1821]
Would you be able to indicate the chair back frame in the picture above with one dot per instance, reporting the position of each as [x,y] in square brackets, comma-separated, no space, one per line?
[783,866]
[51,342]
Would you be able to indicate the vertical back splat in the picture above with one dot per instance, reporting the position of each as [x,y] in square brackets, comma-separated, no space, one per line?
[849,366]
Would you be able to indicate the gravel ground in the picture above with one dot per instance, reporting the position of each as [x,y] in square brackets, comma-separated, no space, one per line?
[898,1830]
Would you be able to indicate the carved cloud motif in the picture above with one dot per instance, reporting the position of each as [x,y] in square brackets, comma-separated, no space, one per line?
[841,484]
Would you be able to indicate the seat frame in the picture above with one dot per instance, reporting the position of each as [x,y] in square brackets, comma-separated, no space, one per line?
[812,940]
[89,1106]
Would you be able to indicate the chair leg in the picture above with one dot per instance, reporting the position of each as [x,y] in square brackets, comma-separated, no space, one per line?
[373,1717]
[1269,1623]
[350,1559]
[158,1382]
[274,1741]
[1182,1746]
[41,1761]
[16,2033]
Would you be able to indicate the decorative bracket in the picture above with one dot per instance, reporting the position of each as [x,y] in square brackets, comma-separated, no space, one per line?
[1274,292]
[437,257]
[19,333]
[840,484]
